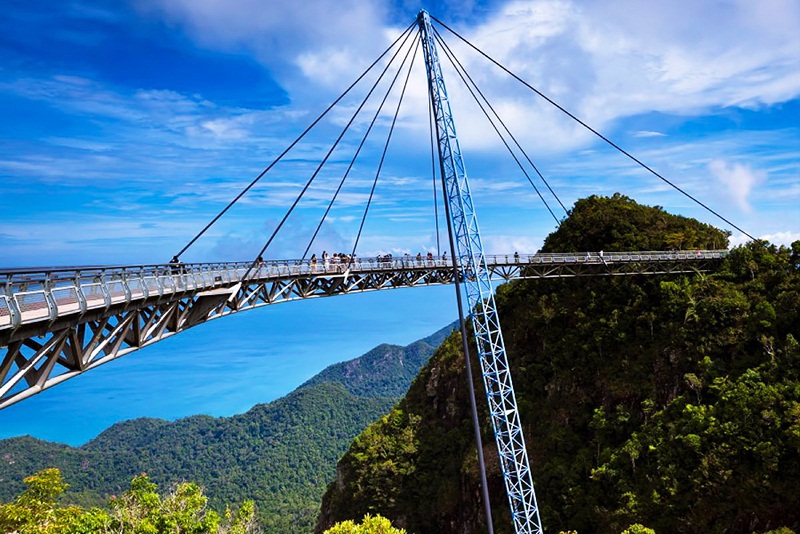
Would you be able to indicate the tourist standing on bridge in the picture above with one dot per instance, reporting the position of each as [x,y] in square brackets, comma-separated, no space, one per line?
[177,266]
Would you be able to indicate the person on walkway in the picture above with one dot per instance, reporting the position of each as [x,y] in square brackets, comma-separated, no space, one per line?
[175,265]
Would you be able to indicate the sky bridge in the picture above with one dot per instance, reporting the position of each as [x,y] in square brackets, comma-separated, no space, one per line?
[56,323]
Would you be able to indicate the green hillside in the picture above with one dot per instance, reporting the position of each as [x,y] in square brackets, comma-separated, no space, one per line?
[281,454]
[386,370]
[671,402]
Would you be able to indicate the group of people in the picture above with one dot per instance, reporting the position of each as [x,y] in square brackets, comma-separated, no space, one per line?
[346,259]
[337,258]
[342,259]
[429,258]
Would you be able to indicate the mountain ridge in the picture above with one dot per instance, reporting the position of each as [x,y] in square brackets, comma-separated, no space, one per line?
[281,453]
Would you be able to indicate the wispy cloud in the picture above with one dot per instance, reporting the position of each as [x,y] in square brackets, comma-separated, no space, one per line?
[647,133]
[738,180]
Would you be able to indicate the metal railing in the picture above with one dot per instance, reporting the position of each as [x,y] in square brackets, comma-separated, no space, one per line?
[37,294]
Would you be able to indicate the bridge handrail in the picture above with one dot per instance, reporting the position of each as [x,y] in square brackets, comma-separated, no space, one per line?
[71,273]
[23,279]
[36,294]
[600,256]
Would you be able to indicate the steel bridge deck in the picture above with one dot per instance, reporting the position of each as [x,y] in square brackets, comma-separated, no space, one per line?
[56,323]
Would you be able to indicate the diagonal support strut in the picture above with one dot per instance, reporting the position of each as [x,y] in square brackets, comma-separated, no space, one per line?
[473,269]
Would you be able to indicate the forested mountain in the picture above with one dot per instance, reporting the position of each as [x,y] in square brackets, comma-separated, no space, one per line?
[670,402]
[281,454]
[386,370]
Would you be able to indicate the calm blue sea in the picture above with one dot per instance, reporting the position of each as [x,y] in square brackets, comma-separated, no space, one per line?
[228,365]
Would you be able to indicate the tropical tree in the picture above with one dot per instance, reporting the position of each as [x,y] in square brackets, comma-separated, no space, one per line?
[370,525]
[35,510]
[140,510]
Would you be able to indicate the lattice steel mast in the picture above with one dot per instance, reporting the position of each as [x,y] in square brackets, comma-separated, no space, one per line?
[472,267]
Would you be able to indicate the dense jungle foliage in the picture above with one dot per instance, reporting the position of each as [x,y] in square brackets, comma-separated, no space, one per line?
[669,403]
[281,455]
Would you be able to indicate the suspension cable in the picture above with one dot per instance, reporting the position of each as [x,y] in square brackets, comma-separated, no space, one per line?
[358,150]
[433,175]
[292,145]
[447,54]
[385,149]
[452,58]
[595,132]
[355,114]
[303,191]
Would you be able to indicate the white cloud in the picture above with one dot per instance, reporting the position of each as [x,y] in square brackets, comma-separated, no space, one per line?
[785,238]
[508,244]
[647,133]
[738,180]
[227,129]
[603,59]
[608,59]
[280,32]
[782,238]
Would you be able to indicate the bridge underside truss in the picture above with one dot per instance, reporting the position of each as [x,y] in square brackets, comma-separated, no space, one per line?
[54,331]
[576,267]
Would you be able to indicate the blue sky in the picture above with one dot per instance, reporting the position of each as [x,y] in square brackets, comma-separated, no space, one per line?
[128,125]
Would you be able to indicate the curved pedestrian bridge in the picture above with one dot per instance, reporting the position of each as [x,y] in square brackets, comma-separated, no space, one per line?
[58,322]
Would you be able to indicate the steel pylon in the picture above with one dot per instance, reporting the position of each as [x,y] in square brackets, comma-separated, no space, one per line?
[471,263]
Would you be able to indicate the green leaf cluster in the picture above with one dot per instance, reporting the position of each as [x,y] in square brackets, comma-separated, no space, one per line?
[139,510]
[370,525]
[618,223]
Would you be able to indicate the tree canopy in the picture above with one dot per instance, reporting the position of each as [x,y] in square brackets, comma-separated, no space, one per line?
[139,510]
[619,223]
[370,525]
